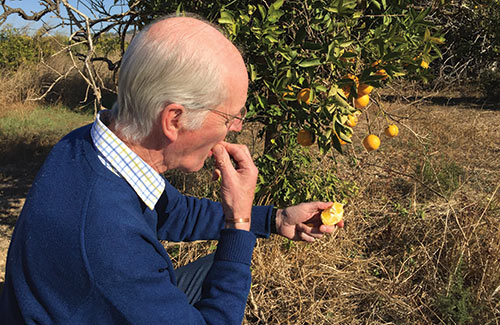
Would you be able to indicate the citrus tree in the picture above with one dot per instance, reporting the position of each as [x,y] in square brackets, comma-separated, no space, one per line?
[312,67]
[314,64]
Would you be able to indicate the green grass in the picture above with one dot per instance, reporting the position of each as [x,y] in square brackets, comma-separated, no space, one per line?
[29,134]
[43,120]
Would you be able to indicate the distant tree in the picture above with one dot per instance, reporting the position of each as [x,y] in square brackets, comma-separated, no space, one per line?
[90,22]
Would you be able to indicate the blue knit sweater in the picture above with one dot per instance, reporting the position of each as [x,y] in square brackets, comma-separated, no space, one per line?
[86,250]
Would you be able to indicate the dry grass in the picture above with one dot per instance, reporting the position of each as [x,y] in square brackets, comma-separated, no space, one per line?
[421,239]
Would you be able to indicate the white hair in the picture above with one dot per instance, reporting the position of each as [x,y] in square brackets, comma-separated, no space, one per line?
[156,71]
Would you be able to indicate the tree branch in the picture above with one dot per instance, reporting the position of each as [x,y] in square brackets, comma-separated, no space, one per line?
[50,6]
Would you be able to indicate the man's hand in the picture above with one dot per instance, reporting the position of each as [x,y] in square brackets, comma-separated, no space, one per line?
[303,221]
[237,184]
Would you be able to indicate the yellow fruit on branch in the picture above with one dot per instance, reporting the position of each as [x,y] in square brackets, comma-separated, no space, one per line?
[382,73]
[333,215]
[391,130]
[352,121]
[364,89]
[305,138]
[304,95]
[371,142]
[346,88]
[362,101]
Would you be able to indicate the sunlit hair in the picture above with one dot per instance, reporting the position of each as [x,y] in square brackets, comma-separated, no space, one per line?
[156,71]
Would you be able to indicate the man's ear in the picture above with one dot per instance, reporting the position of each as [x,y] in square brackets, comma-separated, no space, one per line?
[170,119]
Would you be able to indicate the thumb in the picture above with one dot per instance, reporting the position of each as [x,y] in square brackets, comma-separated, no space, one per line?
[323,205]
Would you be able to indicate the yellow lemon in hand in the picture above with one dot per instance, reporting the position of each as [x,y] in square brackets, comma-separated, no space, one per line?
[333,215]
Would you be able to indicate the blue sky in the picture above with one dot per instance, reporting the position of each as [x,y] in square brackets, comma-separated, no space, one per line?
[33,5]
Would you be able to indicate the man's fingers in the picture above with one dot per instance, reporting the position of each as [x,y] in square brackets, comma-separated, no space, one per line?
[306,237]
[222,160]
[240,154]
[330,229]
[216,174]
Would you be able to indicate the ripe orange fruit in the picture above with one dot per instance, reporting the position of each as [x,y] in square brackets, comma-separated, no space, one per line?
[362,101]
[371,142]
[391,130]
[424,64]
[305,138]
[364,89]
[382,73]
[332,215]
[304,95]
[352,120]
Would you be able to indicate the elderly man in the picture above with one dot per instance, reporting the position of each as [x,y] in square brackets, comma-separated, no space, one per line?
[86,246]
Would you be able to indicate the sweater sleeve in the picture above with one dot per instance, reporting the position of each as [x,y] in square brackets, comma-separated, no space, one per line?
[133,278]
[186,218]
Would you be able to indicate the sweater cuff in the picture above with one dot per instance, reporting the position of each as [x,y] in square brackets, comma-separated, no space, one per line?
[235,246]
[261,220]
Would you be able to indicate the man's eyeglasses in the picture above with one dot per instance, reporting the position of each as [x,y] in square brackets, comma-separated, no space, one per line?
[232,119]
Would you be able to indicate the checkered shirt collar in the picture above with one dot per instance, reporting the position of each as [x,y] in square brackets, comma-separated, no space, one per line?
[116,156]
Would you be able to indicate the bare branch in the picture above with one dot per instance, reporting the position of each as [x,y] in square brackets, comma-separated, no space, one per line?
[50,6]
[89,21]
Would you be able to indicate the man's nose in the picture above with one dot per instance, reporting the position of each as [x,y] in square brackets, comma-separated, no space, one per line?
[236,127]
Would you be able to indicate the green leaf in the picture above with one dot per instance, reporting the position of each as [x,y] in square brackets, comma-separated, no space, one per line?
[346,44]
[321,88]
[427,35]
[377,4]
[313,46]
[357,14]
[262,10]
[309,63]
[277,5]
[271,38]
[253,73]
[271,158]
[301,35]
[226,18]
[437,40]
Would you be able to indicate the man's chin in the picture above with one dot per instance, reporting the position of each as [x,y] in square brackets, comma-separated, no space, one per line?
[192,168]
